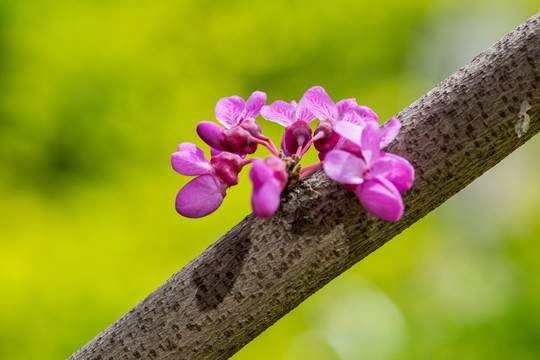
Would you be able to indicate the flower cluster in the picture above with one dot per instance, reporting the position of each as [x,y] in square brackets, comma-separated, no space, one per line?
[347,137]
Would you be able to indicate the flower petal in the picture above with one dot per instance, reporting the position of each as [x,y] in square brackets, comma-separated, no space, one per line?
[344,167]
[366,114]
[345,105]
[266,200]
[215,152]
[191,148]
[189,160]
[370,142]
[379,168]
[259,172]
[317,101]
[283,145]
[266,194]
[302,113]
[349,146]
[401,173]
[212,134]
[254,104]
[201,196]
[228,110]
[351,116]
[279,112]
[381,198]
[278,168]
[349,131]
[389,132]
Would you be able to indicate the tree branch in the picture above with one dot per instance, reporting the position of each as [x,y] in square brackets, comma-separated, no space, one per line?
[262,269]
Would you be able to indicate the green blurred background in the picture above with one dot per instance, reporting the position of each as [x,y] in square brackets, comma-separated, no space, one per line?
[96,95]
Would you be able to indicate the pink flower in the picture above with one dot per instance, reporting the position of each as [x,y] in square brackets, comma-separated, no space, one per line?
[205,193]
[242,133]
[296,118]
[318,102]
[269,178]
[377,178]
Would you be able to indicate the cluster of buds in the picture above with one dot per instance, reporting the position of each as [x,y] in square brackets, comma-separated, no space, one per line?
[347,137]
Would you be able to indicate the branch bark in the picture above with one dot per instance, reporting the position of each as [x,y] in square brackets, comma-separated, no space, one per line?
[262,269]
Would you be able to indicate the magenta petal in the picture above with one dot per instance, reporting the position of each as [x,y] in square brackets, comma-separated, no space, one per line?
[228,110]
[401,173]
[212,134]
[265,201]
[266,190]
[254,104]
[381,198]
[349,131]
[215,152]
[344,167]
[351,116]
[389,132]
[366,114]
[189,160]
[259,173]
[302,112]
[278,168]
[200,197]
[319,103]
[345,105]
[192,148]
[279,112]
[379,168]
[283,145]
[370,142]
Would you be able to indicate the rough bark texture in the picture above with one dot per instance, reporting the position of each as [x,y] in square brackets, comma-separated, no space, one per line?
[262,269]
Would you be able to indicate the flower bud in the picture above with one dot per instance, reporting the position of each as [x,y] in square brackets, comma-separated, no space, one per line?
[211,133]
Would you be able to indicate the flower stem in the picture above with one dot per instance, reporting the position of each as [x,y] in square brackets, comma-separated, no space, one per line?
[269,145]
[309,169]
[272,147]
[244,162]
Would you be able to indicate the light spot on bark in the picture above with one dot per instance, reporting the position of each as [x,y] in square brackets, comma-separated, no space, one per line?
[524,120]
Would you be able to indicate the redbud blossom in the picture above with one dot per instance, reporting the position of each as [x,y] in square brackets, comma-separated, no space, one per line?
[204,194]
[377,178]
[242,134]
[296,118]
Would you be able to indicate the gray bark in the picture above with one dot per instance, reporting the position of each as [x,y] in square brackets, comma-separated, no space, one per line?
[261,269]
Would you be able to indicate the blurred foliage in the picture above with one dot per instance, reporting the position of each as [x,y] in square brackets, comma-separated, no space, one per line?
[95,96]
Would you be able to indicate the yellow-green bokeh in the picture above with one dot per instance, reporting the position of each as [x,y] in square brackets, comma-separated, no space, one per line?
[96,95]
